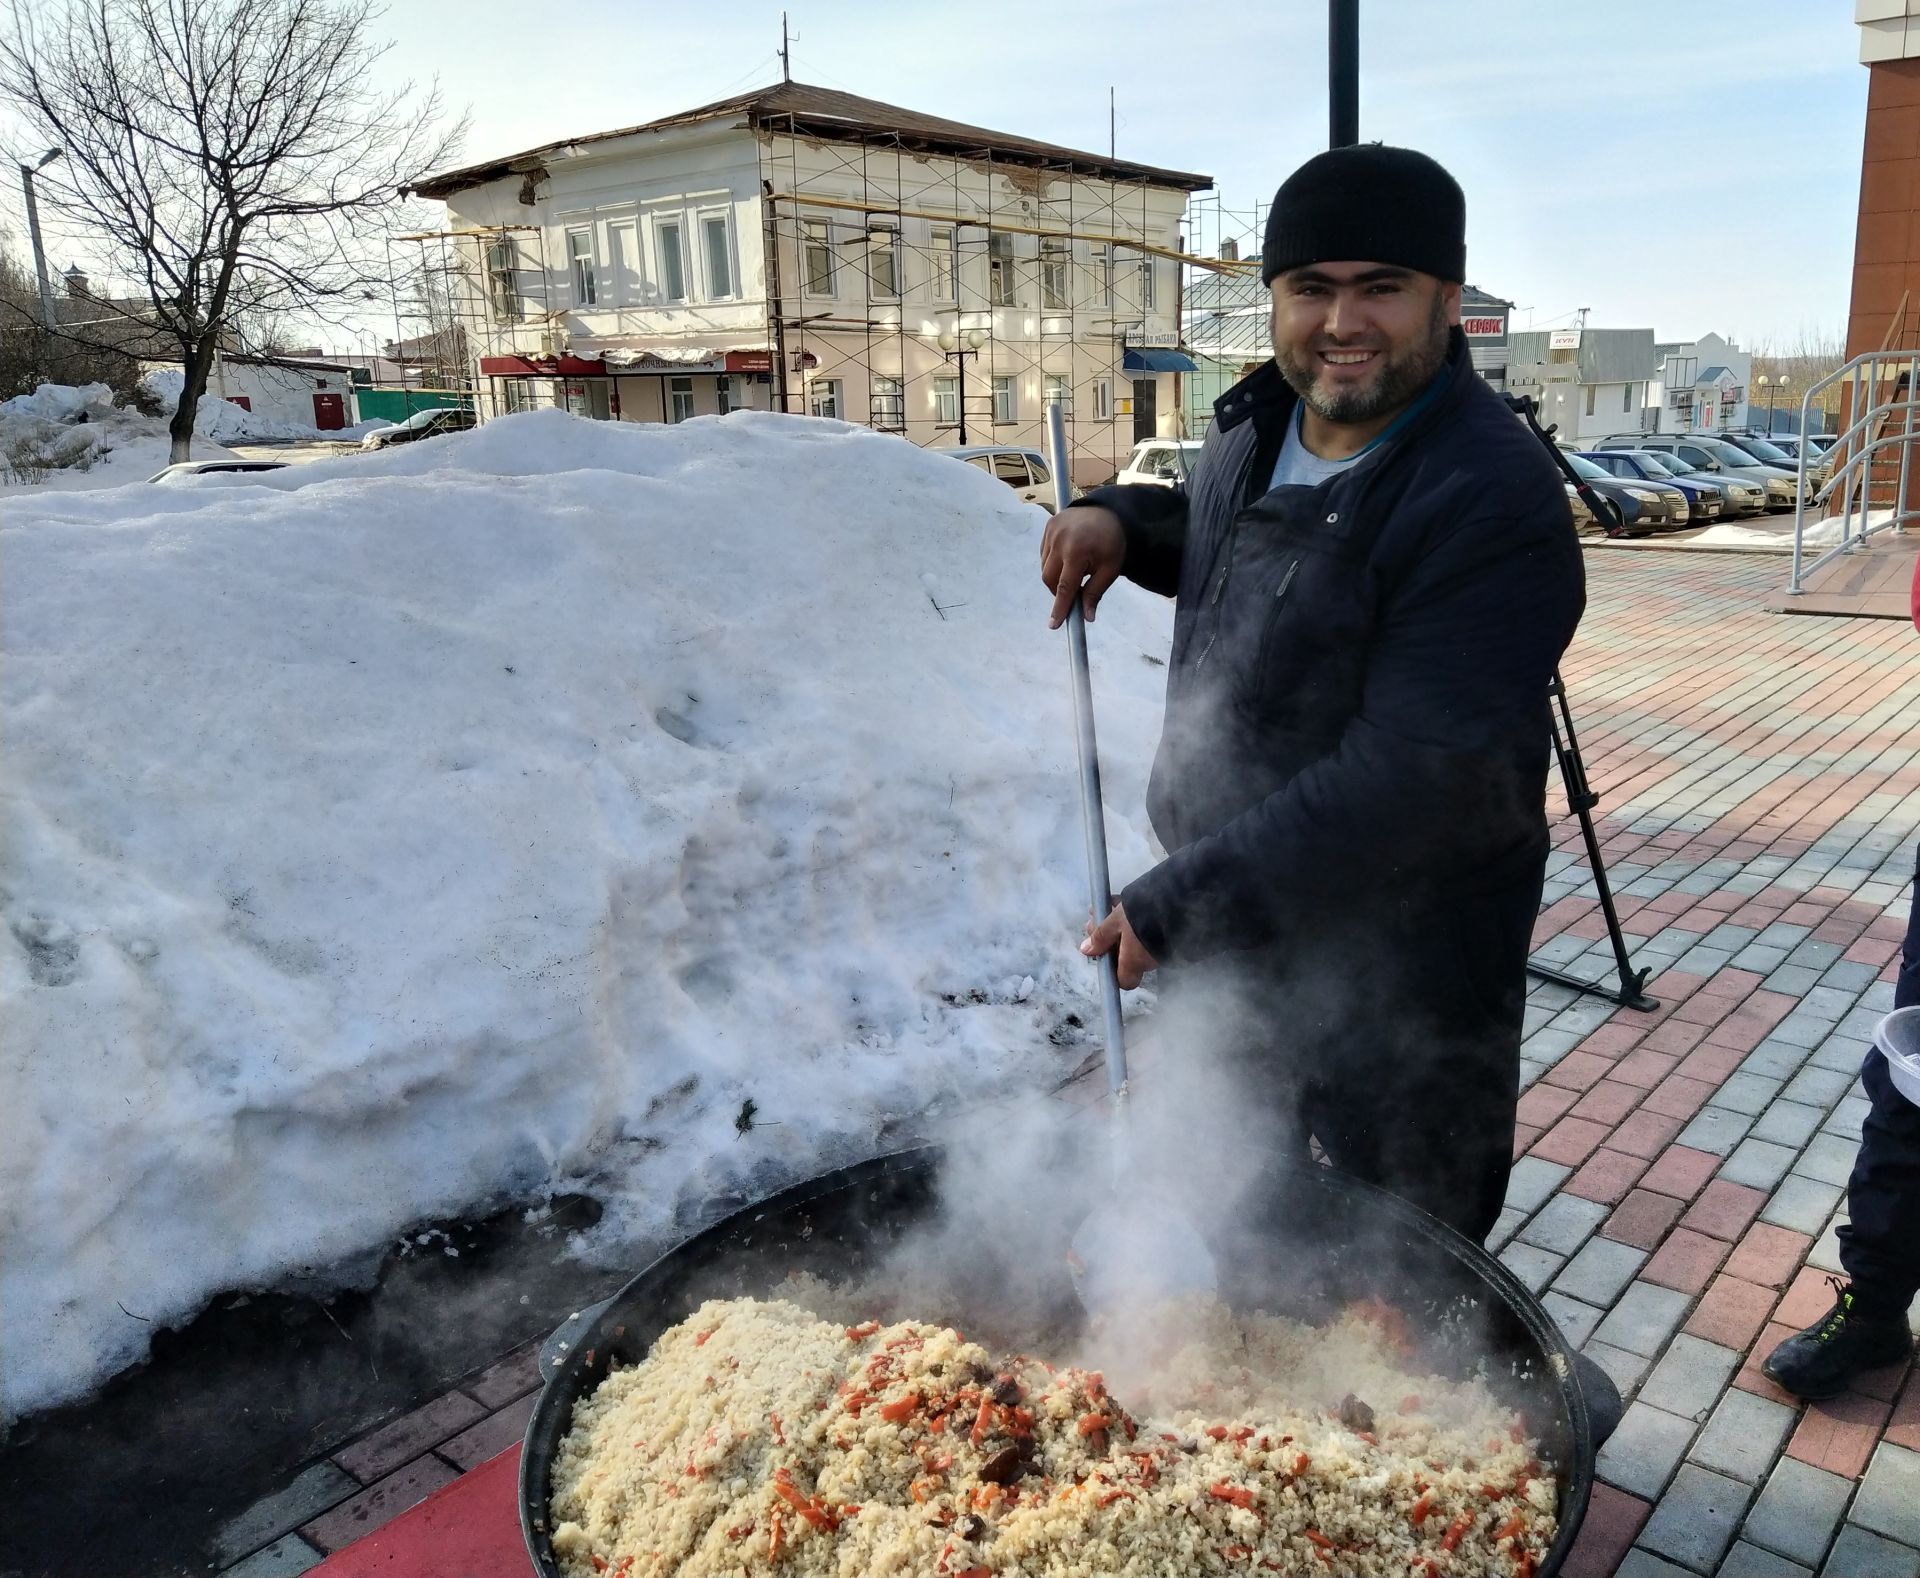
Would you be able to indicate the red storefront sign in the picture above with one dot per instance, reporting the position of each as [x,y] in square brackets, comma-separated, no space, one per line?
[1483,326]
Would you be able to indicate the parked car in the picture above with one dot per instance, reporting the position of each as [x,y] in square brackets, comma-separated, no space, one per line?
[1024,470]
[1769,452]
[1705,452]
[181,470]
[1819,461]
[1740,496]
[1705,503]
[422,424]
[1163,462]
[1644,506]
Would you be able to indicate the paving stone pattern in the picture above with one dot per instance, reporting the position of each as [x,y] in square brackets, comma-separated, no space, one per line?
[1679,1172]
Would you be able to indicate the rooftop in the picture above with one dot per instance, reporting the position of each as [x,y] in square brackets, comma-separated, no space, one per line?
[828,113]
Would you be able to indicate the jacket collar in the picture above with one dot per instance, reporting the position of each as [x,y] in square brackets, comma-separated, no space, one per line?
[1265,393]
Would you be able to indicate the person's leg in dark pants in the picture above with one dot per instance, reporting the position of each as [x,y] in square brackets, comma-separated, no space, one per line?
[1439,1136]
[1880,1241]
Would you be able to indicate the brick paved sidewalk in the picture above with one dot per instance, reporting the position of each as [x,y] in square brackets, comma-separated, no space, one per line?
[1680,1173]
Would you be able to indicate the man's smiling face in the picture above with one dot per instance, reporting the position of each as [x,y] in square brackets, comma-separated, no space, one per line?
[1357,341]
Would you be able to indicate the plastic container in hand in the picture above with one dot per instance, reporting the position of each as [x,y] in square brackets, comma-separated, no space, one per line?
[1898,1039]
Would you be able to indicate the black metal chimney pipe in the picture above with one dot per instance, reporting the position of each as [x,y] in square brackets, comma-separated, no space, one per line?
[1343,72]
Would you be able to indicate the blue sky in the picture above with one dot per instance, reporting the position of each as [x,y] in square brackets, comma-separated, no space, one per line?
[1606,146]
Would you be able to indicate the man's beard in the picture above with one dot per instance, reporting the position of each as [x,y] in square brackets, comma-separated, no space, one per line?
[1399,378]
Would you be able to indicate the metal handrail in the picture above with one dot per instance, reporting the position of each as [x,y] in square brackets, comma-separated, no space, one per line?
[1857,463]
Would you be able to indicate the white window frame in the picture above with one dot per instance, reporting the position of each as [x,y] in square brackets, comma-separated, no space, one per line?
[944,249]
[946,402]
[1101,257]
[624,245]
[816,235]
[1056,274]
[1003,289]
[1149,289]
[826,397]
[503,290]
[889,414]
[883,242]
[1006,412]
[580,266]
[519,396]
[671,255]
[1064,383]
[705,220]
[680,388]
[1103,399]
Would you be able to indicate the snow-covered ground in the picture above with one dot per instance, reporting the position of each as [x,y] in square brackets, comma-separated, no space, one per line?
[62,439]
[394,834]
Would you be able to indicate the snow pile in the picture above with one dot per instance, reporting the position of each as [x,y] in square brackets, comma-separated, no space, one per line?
[56,428]
[222,420]
[392,834]
[61,437]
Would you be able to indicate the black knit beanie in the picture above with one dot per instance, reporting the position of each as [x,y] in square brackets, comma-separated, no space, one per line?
[1368,203]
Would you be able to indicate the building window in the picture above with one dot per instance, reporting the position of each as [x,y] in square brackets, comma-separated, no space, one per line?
[816,256]
[1103,399]
[1055,258]
[1593,391]
[724,399]
[946,401]
[580,262]
[1059,386]
[590,397]
[679,399]
[823,397]
[1626,397]
[1147,268]
[713,234]
[501,290]
[1000,269]
[673,260]
[623,263]
[883,265]
[945,262]
[889,405]
[1006,406]
[1103,271]
[519,395]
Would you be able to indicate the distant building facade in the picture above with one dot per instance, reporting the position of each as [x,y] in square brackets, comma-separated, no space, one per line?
[807,250]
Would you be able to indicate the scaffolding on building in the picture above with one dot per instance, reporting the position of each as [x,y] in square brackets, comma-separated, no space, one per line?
[961,283]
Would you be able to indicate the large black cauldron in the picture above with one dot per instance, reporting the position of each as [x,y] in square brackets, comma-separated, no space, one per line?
[1342,1239]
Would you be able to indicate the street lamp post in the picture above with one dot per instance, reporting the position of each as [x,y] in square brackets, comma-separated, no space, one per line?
[27,172]
[1773,388]
[957,347]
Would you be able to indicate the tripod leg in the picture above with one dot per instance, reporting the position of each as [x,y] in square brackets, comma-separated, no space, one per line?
[1631,992]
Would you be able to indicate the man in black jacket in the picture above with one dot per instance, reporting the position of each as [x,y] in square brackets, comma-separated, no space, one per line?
[1376,574]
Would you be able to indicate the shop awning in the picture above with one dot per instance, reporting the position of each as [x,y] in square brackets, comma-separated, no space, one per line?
[1148,361]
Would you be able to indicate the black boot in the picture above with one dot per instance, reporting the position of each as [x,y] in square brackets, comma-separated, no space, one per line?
[1820,1361]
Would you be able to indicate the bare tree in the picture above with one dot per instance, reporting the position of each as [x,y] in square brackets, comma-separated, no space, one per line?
[235,156]
[1803,361]
[102,345]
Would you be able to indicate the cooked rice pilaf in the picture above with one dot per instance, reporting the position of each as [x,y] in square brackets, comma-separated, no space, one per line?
[757,1437]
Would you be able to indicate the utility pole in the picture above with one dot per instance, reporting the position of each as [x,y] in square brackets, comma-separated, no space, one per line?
[27,172]
[786,59]
[1343,73]
[1110,124]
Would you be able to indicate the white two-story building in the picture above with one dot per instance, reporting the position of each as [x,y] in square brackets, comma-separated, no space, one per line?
[802,249]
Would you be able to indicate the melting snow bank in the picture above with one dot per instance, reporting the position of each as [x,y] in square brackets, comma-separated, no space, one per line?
[497,814]
[61,437]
